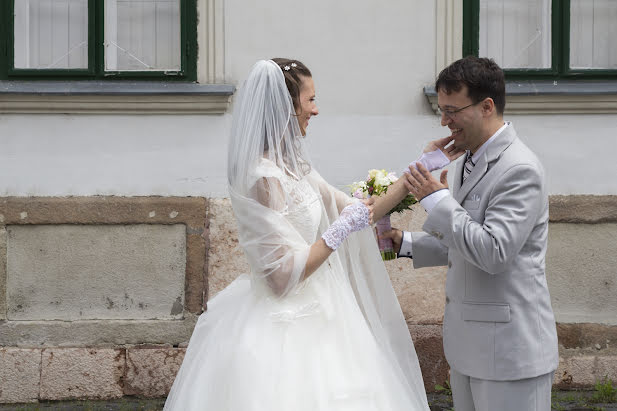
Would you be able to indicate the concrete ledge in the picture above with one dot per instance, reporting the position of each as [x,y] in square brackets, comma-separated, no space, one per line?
[95,333]
[583,209]
[589,335]
[553,97]
[109,97]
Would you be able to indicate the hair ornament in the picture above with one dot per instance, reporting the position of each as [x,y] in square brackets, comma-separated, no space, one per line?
[286,68]
[294,65]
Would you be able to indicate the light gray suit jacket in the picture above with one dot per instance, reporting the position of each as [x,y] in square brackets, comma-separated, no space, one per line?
[492,234]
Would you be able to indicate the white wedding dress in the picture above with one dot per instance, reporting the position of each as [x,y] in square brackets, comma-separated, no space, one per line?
[320,346]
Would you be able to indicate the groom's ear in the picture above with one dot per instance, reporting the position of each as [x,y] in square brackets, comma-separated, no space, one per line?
[488,107]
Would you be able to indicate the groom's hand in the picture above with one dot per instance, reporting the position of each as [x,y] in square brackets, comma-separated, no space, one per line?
[451,151]
[396,236]
[421,182]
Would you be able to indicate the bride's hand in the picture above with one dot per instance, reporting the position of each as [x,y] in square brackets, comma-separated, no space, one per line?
[451,151]
[369,204]
[355,217]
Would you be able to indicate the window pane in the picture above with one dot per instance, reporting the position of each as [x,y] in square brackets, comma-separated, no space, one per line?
[593,34]
[51,34]
[142,35]
[516,33]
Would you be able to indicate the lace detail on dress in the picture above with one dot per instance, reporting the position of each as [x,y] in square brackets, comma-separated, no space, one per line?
[302,207]
[305,211]
[354,217]
[294,313]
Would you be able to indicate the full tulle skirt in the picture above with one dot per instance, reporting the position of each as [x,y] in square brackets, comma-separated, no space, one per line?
[310,350]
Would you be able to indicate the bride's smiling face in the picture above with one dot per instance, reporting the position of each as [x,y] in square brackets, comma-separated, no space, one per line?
[307,108]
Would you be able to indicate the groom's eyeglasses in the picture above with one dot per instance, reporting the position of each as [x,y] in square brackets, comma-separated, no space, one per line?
[452,113]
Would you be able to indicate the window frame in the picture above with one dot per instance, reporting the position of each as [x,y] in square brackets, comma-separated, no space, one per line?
[96,50]
[560,46]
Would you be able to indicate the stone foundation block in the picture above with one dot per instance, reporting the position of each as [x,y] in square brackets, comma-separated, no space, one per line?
[606,366]
[151,370]
[583,371]
[575,372]
[428,342]
[20,373]
[82,373]
[226,259]
[2,272]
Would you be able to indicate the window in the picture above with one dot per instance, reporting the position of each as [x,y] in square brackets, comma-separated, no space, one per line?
[544,39]
[578,75]
[99,39]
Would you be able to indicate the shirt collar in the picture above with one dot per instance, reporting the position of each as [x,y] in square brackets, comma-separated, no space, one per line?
[476,156]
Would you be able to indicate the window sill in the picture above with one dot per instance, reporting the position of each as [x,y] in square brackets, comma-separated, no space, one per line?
[554,97]
[109,97]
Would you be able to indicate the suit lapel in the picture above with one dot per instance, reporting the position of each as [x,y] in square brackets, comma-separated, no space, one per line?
[473,178]
[491,154]
[458,176]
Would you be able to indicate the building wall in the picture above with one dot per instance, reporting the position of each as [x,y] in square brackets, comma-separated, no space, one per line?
[83,198]
[369,65]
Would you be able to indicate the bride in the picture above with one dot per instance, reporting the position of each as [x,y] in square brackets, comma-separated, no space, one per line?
[316,324]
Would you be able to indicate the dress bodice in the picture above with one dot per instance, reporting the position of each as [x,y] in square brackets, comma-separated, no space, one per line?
[304,208]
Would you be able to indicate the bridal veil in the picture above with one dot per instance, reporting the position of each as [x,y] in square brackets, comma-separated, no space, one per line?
[265,149]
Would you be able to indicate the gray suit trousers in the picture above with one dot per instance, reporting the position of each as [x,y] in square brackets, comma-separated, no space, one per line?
[474,394]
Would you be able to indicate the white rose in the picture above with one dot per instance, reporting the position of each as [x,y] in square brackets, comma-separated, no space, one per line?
[382,180]
[372,173]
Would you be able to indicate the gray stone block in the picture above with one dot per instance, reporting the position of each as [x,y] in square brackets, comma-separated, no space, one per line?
[581,272]
[2,273]
[89,272]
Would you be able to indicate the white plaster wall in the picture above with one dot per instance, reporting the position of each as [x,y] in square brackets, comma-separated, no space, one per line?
[186,155]
[57,155]
[369,62]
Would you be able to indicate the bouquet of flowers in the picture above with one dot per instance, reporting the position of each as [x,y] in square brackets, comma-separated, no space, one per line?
[377,184]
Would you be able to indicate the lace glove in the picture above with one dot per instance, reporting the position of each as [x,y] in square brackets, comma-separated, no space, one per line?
[432,161]
[354,217]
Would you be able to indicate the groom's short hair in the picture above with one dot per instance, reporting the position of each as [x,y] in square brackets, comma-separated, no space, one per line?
[482,76]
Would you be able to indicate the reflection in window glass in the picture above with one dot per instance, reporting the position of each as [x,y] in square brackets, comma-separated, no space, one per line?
[516,33]
[142,35]
[51,34]
[593,34]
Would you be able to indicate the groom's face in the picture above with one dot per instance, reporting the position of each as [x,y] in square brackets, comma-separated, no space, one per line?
[462,117]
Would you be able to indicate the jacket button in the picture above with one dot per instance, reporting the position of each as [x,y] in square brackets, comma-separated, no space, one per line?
[449,264]
[447,299]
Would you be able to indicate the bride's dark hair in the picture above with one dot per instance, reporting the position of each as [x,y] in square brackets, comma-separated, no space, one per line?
[293,77]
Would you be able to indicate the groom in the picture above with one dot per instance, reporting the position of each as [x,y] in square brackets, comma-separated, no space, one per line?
[499,330]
